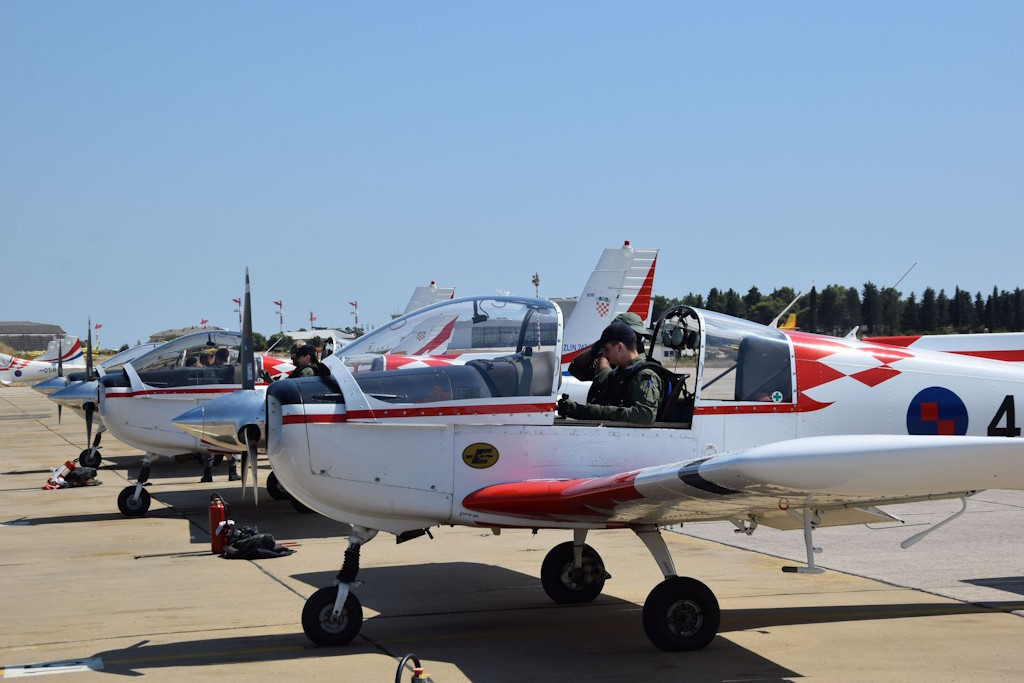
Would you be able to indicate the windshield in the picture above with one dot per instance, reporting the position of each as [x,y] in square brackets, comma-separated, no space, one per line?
[464,349]
[119,359]
[193,350]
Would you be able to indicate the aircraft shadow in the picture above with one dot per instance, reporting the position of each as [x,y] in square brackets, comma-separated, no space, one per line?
[1010,584]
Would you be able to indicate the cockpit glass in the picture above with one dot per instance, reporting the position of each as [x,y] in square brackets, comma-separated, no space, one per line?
[464,349]
[212,348]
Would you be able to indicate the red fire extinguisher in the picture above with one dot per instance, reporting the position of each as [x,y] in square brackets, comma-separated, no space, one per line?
[218,524]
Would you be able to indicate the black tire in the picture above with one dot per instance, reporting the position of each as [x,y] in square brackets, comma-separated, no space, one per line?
[556,575]
[316,618]
[90,457]
[681,614]
[130,507]
[275,489]
[299,507]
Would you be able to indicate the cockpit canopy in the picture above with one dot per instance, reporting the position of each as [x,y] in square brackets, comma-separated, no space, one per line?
[195,359]
[465,349]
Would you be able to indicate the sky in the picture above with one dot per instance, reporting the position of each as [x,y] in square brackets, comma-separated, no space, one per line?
[343,151]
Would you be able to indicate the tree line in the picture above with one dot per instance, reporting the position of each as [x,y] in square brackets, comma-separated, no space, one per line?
[835,310]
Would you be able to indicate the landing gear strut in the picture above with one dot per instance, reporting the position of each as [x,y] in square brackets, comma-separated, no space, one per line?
[133,501]
[334,615]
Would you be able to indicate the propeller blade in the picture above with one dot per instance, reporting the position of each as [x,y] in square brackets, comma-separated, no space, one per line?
[59,407]
[88,423]
[60,364]
[88,351]
[249,465]
[248,357]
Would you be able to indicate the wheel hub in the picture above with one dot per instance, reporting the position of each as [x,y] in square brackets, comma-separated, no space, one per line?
[684,617]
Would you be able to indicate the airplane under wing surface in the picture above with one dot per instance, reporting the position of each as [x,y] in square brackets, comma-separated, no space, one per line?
[831,472]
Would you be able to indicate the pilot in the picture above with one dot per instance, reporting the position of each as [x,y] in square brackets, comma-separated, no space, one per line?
[221,357]
[304,358]
[584,366]
[624,389]
[192,362]
[206,359]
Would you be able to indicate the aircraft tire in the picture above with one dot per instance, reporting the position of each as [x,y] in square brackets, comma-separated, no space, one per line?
[90,457]
[299,507]
[275,489]
[316,618]
[130,507]
[556,575]
[681,614]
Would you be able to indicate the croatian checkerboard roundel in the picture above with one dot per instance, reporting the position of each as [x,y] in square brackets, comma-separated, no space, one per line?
[938,411]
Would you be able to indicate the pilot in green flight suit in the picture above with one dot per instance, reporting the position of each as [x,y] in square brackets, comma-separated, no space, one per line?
[624,390]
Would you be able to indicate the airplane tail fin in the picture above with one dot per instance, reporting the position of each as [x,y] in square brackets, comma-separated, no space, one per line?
[424,296]
[790,323]
[66,350]
[622,282]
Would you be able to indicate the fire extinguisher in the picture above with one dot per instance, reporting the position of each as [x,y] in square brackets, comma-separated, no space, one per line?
[57,475]
[218,524]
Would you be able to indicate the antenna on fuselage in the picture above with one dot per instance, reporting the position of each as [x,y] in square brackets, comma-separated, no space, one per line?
[775,323]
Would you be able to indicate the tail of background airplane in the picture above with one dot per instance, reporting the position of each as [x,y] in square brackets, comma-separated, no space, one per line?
[622,282]
[790,323]
[68,349]
[424,296]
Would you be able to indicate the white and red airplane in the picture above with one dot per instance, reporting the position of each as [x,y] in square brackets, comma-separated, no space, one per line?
[621,282]
[61,354]
[758,426]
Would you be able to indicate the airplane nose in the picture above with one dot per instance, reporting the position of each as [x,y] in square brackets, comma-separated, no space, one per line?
[77,394]
[48,386]
[221,420]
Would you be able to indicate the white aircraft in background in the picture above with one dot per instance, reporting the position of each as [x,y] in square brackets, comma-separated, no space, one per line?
[61,354]
[622,281]
[137,402]
[83,396]
[758,426]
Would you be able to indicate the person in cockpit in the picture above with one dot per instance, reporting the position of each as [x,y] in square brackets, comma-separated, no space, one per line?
[221,357]
[584,367]
[305,361]
[192,362]
[624,390]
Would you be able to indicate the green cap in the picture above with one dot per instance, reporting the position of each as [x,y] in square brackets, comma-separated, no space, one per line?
[634,321]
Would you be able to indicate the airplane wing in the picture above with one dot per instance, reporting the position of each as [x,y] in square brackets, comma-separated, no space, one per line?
[847,474]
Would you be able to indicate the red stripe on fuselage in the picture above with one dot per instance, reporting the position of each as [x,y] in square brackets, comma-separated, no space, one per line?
[579,497]
[400,413]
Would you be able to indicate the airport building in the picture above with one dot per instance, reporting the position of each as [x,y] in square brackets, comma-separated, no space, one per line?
[25,337]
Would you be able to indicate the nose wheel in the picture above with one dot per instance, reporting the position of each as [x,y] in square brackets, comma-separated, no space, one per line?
[275,489]
[132,505]
[90,457]
[320,624]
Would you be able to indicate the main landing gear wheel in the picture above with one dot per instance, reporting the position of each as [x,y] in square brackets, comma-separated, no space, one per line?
[317,623]
[557,575]
[299,507]
[681,614]
[275,489]
[90,457]
[130,507]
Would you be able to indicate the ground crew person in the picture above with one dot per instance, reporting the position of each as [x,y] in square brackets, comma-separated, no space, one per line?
[624,390]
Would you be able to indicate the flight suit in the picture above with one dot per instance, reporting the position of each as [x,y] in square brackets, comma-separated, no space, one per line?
[626,394]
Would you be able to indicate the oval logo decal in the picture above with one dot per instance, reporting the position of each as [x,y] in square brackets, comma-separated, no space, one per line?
[480,455]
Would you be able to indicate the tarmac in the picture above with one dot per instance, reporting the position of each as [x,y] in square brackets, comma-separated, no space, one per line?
[88,594]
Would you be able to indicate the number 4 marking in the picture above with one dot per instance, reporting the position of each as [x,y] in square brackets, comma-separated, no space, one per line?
[1011,428]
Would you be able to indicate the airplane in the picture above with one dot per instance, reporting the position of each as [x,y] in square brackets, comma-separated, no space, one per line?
[621,282]
[79,392]
[137,403]
[65,352]
[760,426]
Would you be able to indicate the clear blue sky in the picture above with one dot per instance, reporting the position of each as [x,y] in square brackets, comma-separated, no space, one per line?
[352,151]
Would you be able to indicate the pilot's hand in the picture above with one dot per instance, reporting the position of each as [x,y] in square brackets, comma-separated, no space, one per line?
[601,364]
[566,406]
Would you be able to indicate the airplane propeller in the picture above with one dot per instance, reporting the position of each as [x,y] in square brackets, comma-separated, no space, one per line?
[248,359]
[60,371]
